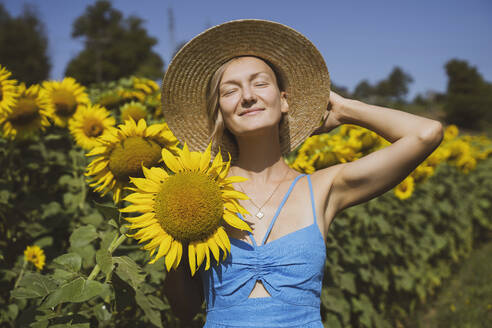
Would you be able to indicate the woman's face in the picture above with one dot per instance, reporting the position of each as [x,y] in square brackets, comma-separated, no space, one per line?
[249,97]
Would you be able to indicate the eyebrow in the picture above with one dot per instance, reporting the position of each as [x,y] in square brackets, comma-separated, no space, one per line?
[251,77]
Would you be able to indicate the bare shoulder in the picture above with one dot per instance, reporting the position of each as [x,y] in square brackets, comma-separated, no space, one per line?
[326,193]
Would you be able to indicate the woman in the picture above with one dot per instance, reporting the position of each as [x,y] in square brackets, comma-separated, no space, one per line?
[267,89]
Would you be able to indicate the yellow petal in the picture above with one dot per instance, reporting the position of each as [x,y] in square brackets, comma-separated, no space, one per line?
[145,184]
[171,162]
[178,255]
[171,255]
[219,242]
[192,258]
[207,254]
[137,208]
[213,247]
[163,248]
[144,217]
[205,160]
[200,253]
[224,238]
[235,179]
[195,160]
[234,194]
[225,170]
[235,221]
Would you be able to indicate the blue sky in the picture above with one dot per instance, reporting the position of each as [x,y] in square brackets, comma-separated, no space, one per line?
[359,40]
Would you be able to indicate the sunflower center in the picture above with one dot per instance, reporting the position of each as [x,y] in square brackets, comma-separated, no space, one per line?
[25,112]
[93,128]
[65,102]
[1,94]
[189,213]
[128,156]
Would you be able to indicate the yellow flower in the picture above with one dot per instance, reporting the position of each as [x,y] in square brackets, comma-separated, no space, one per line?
[405,188]
[466,163]
[35,255]
[129,94]
[88,124]
[450,132]
[67,97]
[146,85]
[422,172]
[8,93]
[186,208]
[122,153]
[110,99]
[29,114]
[134,110]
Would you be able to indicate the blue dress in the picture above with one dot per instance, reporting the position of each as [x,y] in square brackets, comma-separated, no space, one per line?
[290,268]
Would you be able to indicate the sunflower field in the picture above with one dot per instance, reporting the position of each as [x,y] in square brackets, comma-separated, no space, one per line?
[90,177]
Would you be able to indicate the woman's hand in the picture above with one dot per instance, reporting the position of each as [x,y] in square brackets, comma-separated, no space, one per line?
[331,118]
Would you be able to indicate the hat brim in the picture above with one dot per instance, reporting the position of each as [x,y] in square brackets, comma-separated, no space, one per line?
[296,59]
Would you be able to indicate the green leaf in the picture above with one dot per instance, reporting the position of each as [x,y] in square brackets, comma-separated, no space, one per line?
[109,212]
[83,236]
[34,285]
[347,282]
[95,219]
[103,259]
[107,238]
[78,290]
[102,313]
[153,315]
[70,262]
[129,271]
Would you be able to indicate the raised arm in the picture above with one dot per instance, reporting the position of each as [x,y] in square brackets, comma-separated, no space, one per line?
[413,138]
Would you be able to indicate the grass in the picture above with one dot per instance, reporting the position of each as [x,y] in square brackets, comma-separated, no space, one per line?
[466,300]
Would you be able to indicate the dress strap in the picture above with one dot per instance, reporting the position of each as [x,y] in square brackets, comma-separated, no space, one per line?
[280,208]
[312,197]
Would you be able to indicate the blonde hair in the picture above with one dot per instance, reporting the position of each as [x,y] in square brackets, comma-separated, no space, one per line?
[215,120]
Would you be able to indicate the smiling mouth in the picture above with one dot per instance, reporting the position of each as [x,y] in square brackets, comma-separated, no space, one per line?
[252,110]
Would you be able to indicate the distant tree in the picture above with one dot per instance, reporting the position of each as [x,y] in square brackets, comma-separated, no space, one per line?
[115,47]
[395,87]
[363,90]
[469,96]
[23,45]
[341,90]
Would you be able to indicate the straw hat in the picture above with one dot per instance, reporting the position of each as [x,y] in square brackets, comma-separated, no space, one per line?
[297,61]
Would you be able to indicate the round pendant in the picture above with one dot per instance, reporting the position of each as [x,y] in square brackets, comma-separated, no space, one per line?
[259,215]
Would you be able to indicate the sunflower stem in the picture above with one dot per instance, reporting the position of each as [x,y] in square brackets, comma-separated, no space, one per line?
[21,274]
[112,247]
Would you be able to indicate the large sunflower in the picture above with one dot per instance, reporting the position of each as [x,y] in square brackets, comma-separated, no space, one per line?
[186,208]
[88,124]
[8,93]
[29,114]
[67,97]
[123,151]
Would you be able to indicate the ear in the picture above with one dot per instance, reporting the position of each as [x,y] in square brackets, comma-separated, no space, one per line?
[284,105]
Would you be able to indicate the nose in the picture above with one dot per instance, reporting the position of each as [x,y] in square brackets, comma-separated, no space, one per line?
[249,96]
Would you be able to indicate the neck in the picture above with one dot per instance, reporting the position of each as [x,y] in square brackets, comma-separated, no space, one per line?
[260,159]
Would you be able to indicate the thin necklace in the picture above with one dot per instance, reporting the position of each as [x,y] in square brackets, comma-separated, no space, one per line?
[260,214]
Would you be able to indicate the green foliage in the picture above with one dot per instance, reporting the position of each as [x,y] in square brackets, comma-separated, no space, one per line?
[387,256]
[469,96]
[466,301]
[391,90]
[24,45]
[115,47]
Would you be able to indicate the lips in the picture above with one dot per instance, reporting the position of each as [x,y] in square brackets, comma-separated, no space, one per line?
[250,111]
